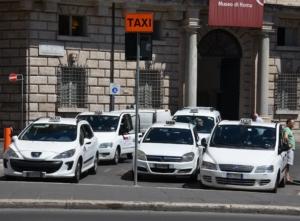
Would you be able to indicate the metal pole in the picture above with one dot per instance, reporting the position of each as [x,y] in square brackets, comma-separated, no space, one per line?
[137,79]
[22,102]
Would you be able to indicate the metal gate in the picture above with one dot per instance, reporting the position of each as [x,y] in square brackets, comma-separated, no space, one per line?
[72,86]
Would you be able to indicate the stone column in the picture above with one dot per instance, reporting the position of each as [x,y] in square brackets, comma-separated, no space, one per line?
[192,25]
[263,74]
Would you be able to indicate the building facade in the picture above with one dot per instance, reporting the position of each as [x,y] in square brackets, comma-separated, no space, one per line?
[68,53]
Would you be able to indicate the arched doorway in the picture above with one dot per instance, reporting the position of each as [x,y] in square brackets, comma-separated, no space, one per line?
[219,73]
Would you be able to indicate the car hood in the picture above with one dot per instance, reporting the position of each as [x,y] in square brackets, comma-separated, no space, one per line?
[165,149]
[47,149]
[105,137]
[240,157]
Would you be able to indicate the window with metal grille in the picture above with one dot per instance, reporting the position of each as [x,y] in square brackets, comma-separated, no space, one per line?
[287,91]
[72,86]
[150,90]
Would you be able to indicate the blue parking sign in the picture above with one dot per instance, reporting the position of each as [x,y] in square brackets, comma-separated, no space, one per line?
[114,89]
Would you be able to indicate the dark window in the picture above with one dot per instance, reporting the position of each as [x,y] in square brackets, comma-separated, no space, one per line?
[101,123]
[81,137]
[88,133]
[72,25]
[145,46]
[157,31]
[287,36]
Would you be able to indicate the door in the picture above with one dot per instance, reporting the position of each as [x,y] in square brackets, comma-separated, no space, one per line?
[90,145]
[127,133]
[228,96]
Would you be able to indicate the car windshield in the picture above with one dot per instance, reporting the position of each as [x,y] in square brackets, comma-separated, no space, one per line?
[204,124]
[244,137]
[101,123]
[169,135]
[50,132]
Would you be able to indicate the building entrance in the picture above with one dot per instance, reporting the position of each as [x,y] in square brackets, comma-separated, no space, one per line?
[219,73]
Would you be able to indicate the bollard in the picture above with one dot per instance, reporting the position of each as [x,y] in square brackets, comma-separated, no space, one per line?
[7,138]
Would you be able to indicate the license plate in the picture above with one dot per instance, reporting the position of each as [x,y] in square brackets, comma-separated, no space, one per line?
[234,176]
[33,174]
[161,166]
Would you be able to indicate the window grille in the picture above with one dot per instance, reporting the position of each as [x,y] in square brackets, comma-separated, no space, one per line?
[150,90]
[72,86]
[287,91]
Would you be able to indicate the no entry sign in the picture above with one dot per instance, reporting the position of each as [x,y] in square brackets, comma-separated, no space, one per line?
[139,22]
[13,77]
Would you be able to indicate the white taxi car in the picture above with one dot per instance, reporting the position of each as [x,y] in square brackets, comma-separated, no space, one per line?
[205,118]
[245,155]
[52,147]
[170,149]
[114,131]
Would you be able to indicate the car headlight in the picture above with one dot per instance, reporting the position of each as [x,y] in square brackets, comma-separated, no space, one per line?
[265,169]
[188,157]
[106,145]
[141,155]
[66,154]
[208,165]
[11,153]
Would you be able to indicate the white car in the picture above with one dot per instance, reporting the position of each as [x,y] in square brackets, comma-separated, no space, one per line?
[114,131]
[205,118]
[170,149]
[245,155]
[52,147]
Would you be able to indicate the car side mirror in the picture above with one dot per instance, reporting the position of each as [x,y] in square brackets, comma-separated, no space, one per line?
[87,141]
[204,143]
[14,138]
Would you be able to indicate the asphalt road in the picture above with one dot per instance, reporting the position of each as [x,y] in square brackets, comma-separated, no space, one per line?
[110,215]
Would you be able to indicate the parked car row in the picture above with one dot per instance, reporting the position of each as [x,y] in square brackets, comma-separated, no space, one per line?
[196,143]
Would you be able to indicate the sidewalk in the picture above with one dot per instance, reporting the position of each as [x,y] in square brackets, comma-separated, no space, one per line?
[86,196]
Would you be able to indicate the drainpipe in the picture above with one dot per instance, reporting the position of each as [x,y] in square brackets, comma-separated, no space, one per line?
[112,56]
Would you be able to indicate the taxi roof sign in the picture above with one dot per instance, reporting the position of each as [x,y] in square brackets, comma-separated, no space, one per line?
[139,22]
[246,121]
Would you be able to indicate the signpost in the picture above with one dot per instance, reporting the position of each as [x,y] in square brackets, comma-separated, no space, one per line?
[14,77]
[114,89]
[138,23]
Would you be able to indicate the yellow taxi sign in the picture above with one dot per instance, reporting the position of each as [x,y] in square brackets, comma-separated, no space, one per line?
[139,22]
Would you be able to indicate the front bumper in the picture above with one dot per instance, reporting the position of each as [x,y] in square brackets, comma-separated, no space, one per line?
[232,180]
[166,168]
[39,168]
[106,153]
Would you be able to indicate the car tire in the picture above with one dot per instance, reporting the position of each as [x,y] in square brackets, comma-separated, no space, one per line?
[275,188]
[93,170]
[194,176]
[116,159]
[129,156]
[77,174]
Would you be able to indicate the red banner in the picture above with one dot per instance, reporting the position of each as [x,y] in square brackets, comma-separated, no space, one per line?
[236,13]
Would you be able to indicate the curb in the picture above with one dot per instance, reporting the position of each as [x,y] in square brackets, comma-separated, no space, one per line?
[149,206]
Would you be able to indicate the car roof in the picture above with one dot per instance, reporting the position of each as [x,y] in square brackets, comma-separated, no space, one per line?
[198,111]
[253,123]
[112,113]
[174,125]
[56,120]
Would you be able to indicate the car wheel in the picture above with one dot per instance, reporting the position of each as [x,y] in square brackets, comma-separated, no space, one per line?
[129,156]
[275,188]
[93,170]
[117,156]
[194,176]
[77,174]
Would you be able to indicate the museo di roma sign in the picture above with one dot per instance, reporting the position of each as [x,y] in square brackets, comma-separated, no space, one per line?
[236,13]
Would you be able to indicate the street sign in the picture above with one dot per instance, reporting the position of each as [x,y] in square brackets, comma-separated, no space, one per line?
[13,77]
[114,89]
[139,22]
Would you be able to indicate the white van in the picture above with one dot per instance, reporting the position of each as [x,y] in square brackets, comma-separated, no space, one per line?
[148,117]
[114,131]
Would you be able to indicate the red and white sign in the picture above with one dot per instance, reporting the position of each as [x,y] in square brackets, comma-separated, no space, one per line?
[236,13]
[13,77]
